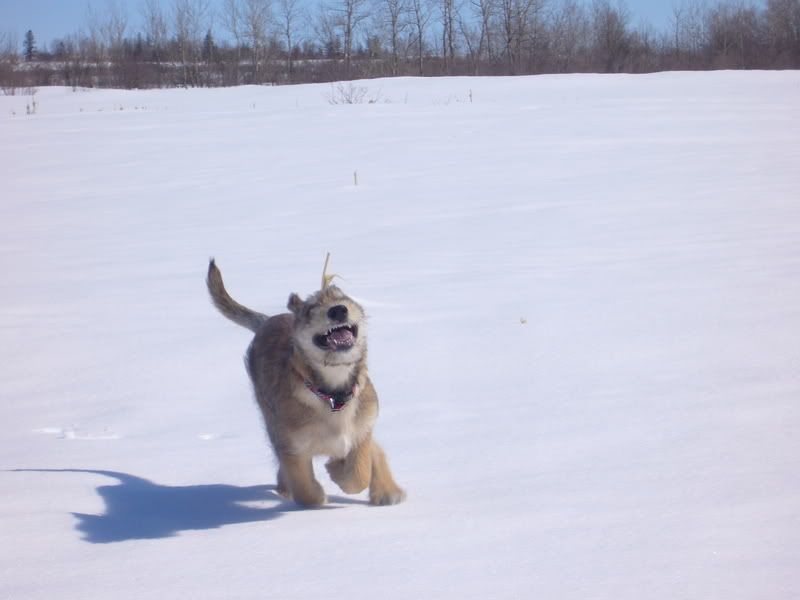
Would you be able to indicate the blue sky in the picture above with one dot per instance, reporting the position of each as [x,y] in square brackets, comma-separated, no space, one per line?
[51,19]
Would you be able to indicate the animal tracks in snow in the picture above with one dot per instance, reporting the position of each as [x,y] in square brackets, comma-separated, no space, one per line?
[213,437]
[75,433]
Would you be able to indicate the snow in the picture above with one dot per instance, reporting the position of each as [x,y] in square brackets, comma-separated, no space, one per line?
[584,299]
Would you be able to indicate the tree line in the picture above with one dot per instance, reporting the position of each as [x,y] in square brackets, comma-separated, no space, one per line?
[186,43]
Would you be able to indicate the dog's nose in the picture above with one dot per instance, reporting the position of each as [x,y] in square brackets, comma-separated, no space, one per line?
[338,313]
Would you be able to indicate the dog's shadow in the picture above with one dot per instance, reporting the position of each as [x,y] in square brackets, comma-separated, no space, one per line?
[136,508]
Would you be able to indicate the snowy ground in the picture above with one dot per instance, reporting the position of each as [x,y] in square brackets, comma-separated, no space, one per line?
[635,438]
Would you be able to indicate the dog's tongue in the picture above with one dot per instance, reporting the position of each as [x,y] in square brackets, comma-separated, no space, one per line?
[341,337]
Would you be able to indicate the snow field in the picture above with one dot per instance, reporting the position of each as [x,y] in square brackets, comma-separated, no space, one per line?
[584,299]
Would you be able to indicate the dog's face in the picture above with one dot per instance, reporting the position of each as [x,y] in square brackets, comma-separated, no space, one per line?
[329,327]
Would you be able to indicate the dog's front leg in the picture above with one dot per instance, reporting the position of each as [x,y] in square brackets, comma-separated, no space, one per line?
[297,473]
[353,472]
[366,465]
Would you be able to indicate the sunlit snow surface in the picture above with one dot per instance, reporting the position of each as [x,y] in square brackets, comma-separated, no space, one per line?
[584,295]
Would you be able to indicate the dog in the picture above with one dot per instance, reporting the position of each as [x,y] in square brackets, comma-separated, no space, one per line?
[309,373]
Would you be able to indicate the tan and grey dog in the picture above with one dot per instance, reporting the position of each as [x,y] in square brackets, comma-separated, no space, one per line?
[309,372]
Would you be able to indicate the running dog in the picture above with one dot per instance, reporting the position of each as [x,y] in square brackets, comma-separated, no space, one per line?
[309,373]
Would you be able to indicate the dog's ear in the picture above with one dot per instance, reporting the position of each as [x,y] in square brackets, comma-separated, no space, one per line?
[295,304]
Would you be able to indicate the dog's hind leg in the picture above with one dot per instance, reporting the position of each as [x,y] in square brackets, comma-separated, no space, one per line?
[297,473]
[283,488]
[382,488]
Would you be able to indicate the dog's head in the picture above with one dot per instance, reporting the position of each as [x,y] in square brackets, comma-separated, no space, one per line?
[329,326]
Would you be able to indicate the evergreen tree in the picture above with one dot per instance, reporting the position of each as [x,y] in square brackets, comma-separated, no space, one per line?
[138,47]
[29,45]
[208,47]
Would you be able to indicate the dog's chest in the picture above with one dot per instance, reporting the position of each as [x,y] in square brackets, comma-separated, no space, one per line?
[330,433]
[334,439]
[337,445]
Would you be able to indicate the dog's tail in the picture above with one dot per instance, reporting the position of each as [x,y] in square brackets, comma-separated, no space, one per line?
[241,315]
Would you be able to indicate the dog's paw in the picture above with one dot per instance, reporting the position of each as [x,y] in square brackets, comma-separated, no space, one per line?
[387,497]
[351,486]
[283,492]
[311,497]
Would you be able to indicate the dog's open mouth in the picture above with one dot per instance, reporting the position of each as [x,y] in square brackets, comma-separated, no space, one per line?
[341,337]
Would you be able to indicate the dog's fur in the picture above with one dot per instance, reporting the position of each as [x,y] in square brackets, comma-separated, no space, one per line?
[282,360]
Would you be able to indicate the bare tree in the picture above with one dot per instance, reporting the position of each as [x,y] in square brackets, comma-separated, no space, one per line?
[8,45]
[190,22]
[420,11]
[232,23]
[569,36]
[93,45]
[327,33]
[611,35]
[517,18]
[447,14]
[693,35]
[485,10]
[476,31]
[345,16]
[783,28]
[643,52]
[113,26]
[154,24]
[470,34]
[255,18]
[392,16]
[289,15]
[182,26]
[8,62]
[677,18]
[687,30]
[534,42]
[734,36]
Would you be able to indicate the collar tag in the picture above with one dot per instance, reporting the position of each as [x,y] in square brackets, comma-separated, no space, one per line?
[336,401]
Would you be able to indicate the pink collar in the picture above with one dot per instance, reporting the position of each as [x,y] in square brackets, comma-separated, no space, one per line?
[336,401]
